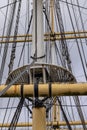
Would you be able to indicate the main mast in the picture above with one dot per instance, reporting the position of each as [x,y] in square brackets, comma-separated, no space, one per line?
[38,53]
[39,110]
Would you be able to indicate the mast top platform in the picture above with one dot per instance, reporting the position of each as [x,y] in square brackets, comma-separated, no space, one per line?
[43,73]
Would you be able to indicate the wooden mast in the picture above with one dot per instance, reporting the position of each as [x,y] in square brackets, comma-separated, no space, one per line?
[39,111]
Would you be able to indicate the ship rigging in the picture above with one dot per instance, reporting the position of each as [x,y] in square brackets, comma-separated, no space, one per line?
[43,64]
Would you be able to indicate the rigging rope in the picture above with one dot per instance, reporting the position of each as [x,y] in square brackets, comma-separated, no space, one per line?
[7,40]
[74,13]
[25,38]
[57,50]
[0,53]
[8,4]
[9,116]
[15,38]
[47,45]
[16,115]
[66,2]
[27,20]
[5,113]
[15,79]
[4,27]
[81,20]
[26,105]
[77,102]
[77,42]
[83,31]
[65,117]
[12,82]
[67,111]
[64,47]
[76,99]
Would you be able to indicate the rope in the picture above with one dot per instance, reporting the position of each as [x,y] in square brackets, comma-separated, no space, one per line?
[76,98]
[26,105]
[65,117]
[13,81]
[77,102]
[79,34]
[65,52]
[25,39]
[4,27]
[16,115]
[15,38]
[56,48]
[77,42]
[11,18]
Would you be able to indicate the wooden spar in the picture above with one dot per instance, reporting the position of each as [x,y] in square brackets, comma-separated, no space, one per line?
[43,90]
[68,36]
[57,123]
